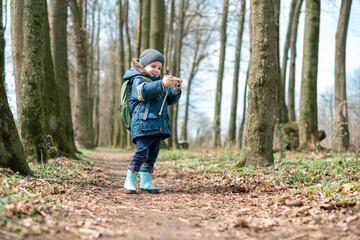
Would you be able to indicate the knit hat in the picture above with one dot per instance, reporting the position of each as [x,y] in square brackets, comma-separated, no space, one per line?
[150,55]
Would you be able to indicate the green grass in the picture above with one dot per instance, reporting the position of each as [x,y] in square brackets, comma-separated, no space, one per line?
[305,173]
[337,176]
[47,178]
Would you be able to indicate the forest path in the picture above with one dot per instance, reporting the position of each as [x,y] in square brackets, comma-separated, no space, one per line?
[190,206]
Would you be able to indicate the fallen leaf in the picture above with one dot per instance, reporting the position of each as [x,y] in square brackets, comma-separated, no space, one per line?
[283,198]
[294,203]
[352,218]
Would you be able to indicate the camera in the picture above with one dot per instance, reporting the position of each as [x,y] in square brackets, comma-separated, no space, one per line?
[177,82]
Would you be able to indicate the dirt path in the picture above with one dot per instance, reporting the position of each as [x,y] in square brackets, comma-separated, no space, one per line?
[191,207]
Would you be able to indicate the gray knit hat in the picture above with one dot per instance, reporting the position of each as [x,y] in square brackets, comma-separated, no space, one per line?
[150,55]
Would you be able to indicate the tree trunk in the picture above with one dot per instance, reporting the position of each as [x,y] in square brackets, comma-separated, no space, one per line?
[216,133]
[90,77]
[157,25]
[128,36]
[172,109]
[168,37]
[281,115]
[129,57]
[308,124]
[145,25]
[291,86]
[120,138]
[198,57]
[341,111]
[97,83]
[11,150]
[263,86]
[58,36]
[232,124]
[82,128]
[17,12]
[32,118]
[112,119]
[242,124]
[183,6]
[287,43]
[53,115]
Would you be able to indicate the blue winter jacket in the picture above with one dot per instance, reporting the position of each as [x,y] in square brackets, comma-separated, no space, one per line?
[151,96]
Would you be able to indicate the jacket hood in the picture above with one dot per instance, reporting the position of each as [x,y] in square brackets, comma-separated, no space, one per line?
[138,70]
[135,70]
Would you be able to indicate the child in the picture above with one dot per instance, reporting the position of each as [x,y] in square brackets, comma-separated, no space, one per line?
[150,120]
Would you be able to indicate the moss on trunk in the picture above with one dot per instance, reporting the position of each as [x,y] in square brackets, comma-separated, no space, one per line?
[82,134]
[11,150]
[58,32]
[32,117]
[341,109]
[263,87]
[53,116]
[308,123]
[216,136]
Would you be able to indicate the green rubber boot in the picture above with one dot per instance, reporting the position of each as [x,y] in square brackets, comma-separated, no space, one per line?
[129,185]
[145,180]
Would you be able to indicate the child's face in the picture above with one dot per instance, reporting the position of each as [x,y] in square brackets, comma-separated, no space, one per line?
[154,68]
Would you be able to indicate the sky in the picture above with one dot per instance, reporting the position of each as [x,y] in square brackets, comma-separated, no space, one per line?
[205,107]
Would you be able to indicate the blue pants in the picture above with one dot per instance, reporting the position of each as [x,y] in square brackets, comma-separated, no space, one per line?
[147,150]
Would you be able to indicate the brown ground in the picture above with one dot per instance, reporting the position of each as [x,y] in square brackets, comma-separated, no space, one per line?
[190,207]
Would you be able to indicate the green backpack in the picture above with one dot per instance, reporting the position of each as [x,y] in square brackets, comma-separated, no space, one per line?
[124,108]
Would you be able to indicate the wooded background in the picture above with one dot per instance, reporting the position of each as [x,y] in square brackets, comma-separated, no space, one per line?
[68,59]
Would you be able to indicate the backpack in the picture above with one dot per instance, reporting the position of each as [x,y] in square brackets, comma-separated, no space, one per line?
[124,108]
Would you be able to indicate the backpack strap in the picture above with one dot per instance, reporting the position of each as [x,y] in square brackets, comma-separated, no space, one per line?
[147,107]
[137,107]
[146,113]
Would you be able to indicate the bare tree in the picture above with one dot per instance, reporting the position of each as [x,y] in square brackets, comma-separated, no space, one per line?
[175,67]
[58,36]
[291,86]
[138,31]
[120,138]
[234,98]
[127,32]
[308,124]
[53,115]
[199,53]
[281,115]
[263,82]
[287,41]
[145,25]
[242,124]
[129,54]
[168,37]
[97,82]
[11,150]
[32,117]
[157,25]
[17,12]
[216,136]
[82,127]
[90,77]
[341,108]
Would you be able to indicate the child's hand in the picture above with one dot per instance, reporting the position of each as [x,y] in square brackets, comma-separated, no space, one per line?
[169,82]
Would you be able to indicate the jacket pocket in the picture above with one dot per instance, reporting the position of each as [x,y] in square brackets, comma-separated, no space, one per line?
[150,124]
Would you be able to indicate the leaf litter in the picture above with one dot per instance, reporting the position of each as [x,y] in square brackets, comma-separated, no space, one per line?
[89,203]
